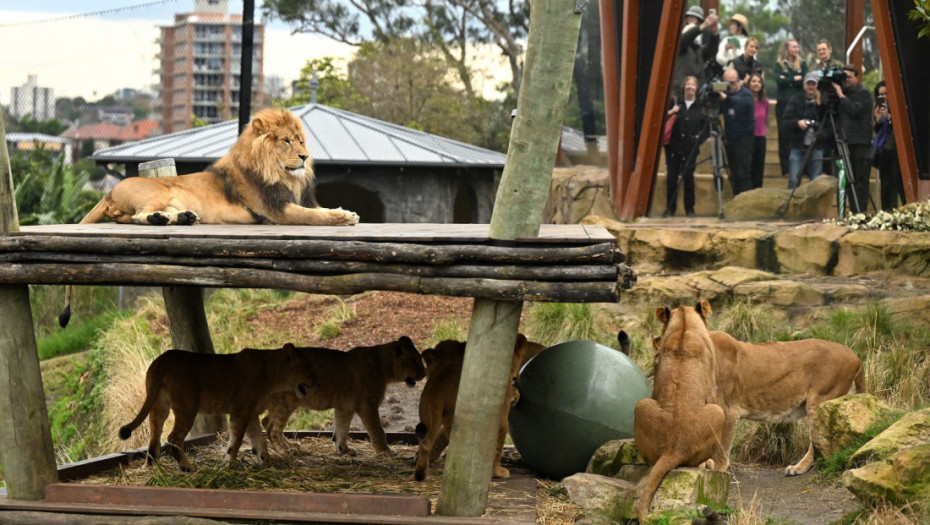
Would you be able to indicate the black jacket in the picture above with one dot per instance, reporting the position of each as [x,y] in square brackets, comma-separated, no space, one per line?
[689,128]
[854,115]
[745,65]
[801,108]
[693,57]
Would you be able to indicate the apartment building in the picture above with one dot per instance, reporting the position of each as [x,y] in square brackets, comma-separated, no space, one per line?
[31,99]
[200,66]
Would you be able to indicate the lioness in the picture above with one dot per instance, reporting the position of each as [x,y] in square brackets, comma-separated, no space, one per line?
[437,403]
[350,382]
[680,424]
[266,177]
[237,384]
[781,381]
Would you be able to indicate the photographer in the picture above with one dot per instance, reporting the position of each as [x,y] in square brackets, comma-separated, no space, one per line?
[698,46]
[854,123]
[886,153]
[739,120]
[800,120]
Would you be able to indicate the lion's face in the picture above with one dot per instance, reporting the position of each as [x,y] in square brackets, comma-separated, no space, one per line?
[408,363]
[276,137]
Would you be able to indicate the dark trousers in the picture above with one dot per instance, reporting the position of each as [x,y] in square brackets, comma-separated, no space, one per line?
[739,160]
[889,172]
[783,146]
[678,165]
[757,166]
[859,182]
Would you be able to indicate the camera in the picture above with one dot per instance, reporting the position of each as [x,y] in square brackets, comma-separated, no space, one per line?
[829,76]
[810,122]
[881,101]
[709,95]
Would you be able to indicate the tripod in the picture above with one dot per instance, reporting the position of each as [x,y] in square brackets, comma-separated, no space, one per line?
[843,149]
[712,130]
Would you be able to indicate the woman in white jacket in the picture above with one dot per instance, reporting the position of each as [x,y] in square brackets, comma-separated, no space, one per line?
[733,45]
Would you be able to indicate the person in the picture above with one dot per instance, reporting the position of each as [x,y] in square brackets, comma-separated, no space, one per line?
[698,46]
[803,115]
[732,46]
[747,63]
[854,124]
[825,55]
[886,153]
[739,122]
[757,165]
[789,81]
[688,133]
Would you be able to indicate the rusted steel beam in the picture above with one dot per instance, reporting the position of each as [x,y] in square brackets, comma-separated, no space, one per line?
[611,94]
[639,190]
[855,19]
[891,65]
[629,68]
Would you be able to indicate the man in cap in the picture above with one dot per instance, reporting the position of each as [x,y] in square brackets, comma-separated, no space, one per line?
[802,118]
[698,44]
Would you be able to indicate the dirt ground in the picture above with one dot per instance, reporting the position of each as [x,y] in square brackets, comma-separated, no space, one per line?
[382,316]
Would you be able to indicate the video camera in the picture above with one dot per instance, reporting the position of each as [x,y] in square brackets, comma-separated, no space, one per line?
[709,95]
[828,77]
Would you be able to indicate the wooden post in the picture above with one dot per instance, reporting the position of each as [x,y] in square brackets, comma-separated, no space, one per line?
[187,319]
[518,208]
[25,438]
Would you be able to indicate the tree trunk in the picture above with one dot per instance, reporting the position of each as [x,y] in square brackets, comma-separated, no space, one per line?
[518,209]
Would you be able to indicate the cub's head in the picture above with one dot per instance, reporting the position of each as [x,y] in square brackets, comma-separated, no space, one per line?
[408,364]
[446,354]
[274,146]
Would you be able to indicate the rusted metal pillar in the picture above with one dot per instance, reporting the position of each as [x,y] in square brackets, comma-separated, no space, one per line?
[629,69]
[611,93]
[636,198]
[25,437]
[855,19]
[891,66]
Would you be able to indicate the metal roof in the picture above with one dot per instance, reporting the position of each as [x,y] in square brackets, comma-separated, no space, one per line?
[30,137]
[334,136]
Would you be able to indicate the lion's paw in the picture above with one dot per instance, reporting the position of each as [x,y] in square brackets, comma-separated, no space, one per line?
[158,218]
[345,217]
[187,218]
[501,472]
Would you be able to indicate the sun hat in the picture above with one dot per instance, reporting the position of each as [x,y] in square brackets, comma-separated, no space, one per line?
[696,12]
[811,77]
[741,20]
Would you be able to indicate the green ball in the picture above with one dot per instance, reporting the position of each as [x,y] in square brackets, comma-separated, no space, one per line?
[574,397]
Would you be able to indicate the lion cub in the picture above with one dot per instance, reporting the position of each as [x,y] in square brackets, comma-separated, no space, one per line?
[437,404]
[239,384]
[352,382]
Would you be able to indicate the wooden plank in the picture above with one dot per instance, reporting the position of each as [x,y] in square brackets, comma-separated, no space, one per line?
[402,232]
[386,505]
[89,467]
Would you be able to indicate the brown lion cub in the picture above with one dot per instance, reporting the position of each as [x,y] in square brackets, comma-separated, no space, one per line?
[437,404]
[237,384]
[350,382]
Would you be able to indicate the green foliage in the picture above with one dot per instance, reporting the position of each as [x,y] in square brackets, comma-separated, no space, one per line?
[47,191]
[334,89]
[27,124]
[77,430]
[750,322]
[921,15]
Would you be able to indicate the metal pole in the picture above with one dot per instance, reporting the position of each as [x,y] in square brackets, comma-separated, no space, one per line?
[245,70]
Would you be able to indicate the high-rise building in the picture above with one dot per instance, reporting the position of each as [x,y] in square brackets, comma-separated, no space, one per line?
[30,99]
[200,65]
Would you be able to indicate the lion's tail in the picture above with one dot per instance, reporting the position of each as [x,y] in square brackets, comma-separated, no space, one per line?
[860,379]
[96,214]
[663,465]
[153,380]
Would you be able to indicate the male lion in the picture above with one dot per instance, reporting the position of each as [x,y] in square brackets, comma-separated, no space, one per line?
[239,384]
[266,177]
[680,424]
[350,382]
[437,403]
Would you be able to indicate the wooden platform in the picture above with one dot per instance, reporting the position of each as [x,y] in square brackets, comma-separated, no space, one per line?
[565,263]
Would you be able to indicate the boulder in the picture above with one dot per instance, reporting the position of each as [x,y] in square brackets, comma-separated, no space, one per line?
[577,192]
[903,477]
[914,308]
[671,289]
[731,276]
[912,429]
[611,456]
[780,293]
[740,247]
[615,498]
[906,253]
[810,248]
[841,422]
[812,200]
[672,248]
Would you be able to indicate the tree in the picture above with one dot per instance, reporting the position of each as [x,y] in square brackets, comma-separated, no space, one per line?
[333,89]
[27,124]
[921,15]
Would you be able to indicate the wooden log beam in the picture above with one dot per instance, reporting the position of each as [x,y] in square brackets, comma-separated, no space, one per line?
[518,207]
[317,249]
[25,438]
[169,275]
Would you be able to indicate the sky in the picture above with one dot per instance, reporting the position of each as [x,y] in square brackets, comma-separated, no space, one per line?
[94,47]
[92,56]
